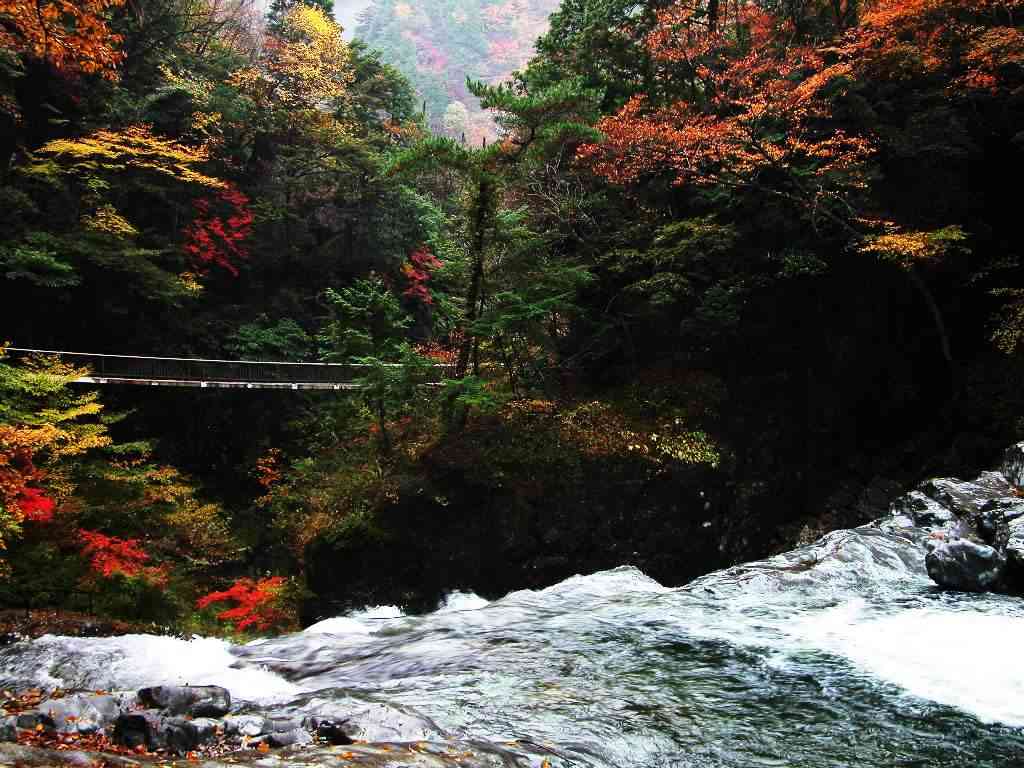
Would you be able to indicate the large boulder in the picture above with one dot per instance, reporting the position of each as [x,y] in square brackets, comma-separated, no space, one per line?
[87,712]
[966,566]
[152,730]
[193,700]
[976,527]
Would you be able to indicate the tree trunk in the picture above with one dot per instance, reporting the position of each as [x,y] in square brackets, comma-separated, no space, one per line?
[481,218]
[936,313]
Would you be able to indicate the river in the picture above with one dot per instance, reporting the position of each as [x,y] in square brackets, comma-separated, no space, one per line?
[842,653]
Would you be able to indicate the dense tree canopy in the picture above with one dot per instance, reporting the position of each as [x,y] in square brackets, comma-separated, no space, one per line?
[748,245]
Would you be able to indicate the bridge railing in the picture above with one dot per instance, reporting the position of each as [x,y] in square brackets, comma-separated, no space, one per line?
[180,369]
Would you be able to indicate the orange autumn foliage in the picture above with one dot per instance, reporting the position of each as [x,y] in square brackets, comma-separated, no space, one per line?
[760,106]
[756,109]
[973,44]
[72,35]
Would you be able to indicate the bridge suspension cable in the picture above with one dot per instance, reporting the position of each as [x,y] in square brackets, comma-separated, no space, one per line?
[210,373]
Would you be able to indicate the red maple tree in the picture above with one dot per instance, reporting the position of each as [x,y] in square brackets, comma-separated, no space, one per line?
[111,556]
[257,604]
[217,234]
[35,505]
[417,270]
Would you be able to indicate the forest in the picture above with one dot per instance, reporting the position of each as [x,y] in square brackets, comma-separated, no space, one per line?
[727,276]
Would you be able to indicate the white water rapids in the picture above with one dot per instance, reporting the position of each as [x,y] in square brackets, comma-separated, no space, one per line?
[838,654]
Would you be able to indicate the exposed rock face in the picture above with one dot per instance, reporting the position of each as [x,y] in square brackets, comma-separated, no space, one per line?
[977,527]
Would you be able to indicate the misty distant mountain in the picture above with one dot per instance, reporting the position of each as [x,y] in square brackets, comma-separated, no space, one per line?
[438,43]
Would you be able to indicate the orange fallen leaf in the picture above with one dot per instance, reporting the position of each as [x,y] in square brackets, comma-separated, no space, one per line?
[192,757]
[39,727]
[263,747]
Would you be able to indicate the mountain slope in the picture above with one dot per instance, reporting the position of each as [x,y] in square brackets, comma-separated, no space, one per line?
[437,44]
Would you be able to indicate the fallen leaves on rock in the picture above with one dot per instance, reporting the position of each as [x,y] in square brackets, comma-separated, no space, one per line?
[16,703]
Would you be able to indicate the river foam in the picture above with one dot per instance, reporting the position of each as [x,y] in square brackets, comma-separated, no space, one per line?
[135,661]
[966,659]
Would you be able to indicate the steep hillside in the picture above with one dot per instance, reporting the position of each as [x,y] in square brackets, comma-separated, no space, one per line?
[438,43]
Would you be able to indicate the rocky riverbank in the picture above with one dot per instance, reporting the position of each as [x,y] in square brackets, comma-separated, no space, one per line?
[977,527]
[190,725]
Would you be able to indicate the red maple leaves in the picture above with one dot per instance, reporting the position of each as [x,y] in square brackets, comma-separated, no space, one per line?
[35,505]
[111,556]
[258,603]
[17,470]
[417,270]
[217,234]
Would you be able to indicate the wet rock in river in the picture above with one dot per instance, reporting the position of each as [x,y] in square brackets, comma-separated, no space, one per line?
[293,737]
[87,712]
[194,700]
[244,725]
[179,735]
[922,510]
[139,729]
[8,729]
[965,498]
[328,730]
[977,527]
[964,565]
[359,719]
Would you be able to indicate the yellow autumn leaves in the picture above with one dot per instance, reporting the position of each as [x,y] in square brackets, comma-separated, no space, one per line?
[305,66]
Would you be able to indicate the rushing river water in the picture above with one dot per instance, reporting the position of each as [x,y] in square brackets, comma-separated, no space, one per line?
[838,654]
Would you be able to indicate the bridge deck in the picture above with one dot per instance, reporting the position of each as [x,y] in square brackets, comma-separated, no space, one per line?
[208,373]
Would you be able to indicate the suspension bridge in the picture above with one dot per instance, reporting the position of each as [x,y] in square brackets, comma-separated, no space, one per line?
[223,374]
